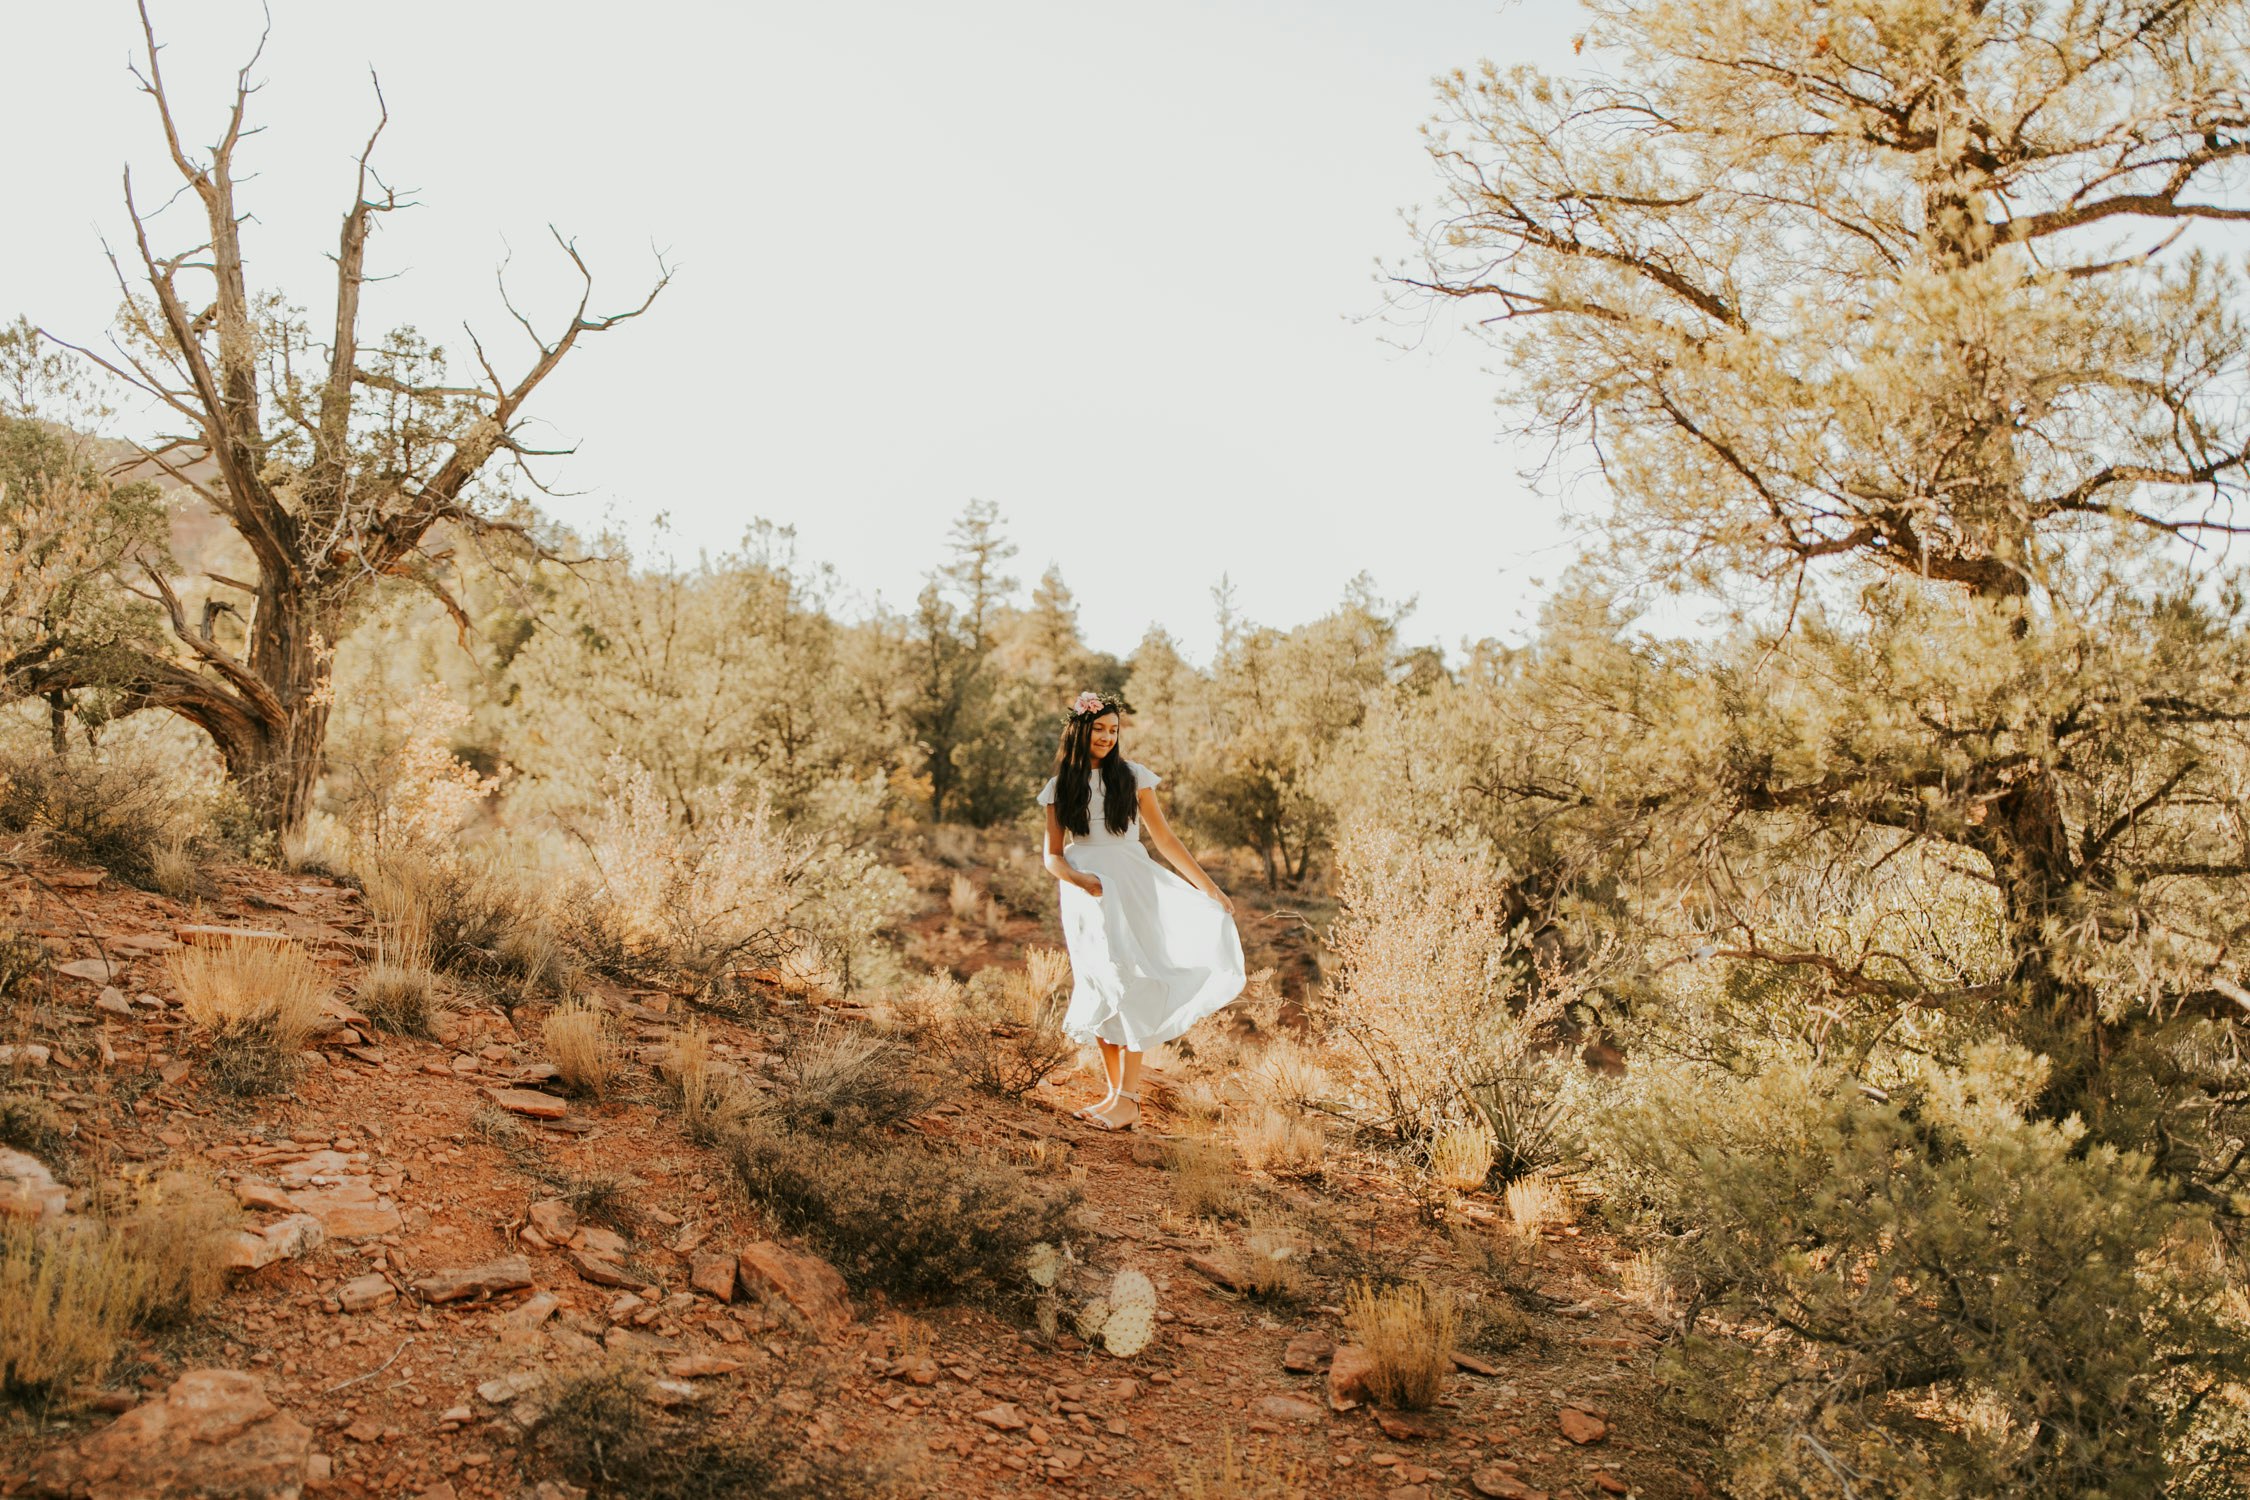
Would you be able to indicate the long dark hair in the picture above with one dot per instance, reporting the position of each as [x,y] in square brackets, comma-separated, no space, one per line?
[1074,767]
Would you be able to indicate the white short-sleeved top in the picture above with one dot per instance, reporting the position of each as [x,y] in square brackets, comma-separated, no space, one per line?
[1097,826]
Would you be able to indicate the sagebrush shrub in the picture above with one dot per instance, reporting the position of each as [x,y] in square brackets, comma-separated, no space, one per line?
[599,1429]
[67,1300]
[125,815]
[909,1222]
[845,1081]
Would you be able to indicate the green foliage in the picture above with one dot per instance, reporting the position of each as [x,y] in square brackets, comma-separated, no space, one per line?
[1930,1293]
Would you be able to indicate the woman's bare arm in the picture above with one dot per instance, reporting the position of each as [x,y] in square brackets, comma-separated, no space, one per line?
[1059,867]
[1168,844]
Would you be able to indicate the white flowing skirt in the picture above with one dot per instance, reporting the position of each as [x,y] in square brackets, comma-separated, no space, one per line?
[1150,956]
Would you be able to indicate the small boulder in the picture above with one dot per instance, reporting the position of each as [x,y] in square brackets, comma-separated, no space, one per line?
[1348,1372]
[713,1274]
[528,1102]
[27,1189]
[1288,1409]
[508,1274]
[601,1271]
[213,1432]
[554,1219]
[1004,1417]
[807,1283]
[1581,1427]
[366,1293]
[1307,1352]
[284,1239]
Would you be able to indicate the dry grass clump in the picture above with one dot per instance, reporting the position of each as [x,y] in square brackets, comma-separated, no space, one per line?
[1234,1471]
[180,1225]
[1204,1181]
[1000,1032]
[175,871]
[712,1099]
[1460,1157]
[70,1292]
[400,1000]
[600,1430]
[1290,1075]
[1535,1202]
[961,899]
[1286,1145]
[1046,971]
[67,1299]
[260,1002]
[1272,1260]
[582,1047]
[908,1222]
[471,918]
[1408,1333]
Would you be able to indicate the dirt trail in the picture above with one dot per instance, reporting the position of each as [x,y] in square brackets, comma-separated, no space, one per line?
[399,1149]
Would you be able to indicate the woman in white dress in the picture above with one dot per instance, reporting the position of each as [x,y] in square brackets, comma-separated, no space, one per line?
[1150,953]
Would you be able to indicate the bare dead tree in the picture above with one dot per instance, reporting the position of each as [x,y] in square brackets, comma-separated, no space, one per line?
[337,463]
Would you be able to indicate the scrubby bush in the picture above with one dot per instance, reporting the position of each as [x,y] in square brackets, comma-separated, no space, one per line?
[153,1252]
[259,1002]
[1435,989]
[1982,1302]
[846,1082]
[127,816]
[911,1223]
[712,1099]
[30,1123]
[599,1429]
[398,999]
[1001,1032]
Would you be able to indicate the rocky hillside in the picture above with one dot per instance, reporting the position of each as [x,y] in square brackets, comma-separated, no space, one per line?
[436,1247]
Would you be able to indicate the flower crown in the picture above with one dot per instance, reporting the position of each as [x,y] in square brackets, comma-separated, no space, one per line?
[1091,704]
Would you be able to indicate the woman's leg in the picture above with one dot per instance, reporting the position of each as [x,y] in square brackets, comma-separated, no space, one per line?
[1113,1073]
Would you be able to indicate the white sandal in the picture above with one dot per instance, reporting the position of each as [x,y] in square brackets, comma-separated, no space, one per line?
[1101,1124]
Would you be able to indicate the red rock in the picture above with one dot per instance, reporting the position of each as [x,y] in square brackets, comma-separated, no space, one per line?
[1288,1409]
[714,1274]
[533,1311]
[806,1282]
[1218,1270]
[92,970]
[512,1273]
[263,1195]
[27,1189]
[600,1271]
[283,1239]
[213,1432]
[25,1055]
[527,1102]
[701,1366]
[921,1370]
[365,1293]
[1581,1427]
[195,934]
[1610,1484]
[1003,1418]
[607,1243]
[1473,1365]
[1499,1484]
[350,1212]
[554,1218]
[1348,1370]
[1307,1352]
[1406,1426]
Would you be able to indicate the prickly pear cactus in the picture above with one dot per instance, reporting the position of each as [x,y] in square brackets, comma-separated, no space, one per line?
[1091,1319]
[1044,1264]
[1132,1314]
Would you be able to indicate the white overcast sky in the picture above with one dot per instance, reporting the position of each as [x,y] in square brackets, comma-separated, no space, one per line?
[1112,268]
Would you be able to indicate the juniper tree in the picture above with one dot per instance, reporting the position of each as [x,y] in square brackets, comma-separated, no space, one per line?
[1905,332]
[339,459]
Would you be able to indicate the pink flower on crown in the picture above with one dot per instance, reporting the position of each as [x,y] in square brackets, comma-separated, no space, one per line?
[1086,703]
